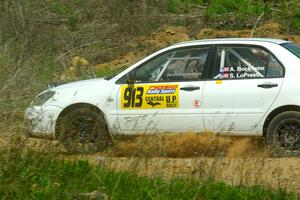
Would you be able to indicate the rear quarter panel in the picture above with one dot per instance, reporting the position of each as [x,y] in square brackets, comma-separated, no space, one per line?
[290,91]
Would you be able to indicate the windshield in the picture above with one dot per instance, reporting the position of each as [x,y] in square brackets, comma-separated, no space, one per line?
[292,47]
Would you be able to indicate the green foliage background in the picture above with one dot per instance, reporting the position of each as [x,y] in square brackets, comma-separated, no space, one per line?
[242,13]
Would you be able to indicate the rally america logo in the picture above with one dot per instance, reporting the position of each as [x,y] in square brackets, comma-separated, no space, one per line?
[162,89]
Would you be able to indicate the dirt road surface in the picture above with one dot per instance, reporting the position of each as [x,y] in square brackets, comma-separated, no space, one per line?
[234,160]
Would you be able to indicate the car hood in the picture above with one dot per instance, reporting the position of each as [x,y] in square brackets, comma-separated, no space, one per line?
[97,81]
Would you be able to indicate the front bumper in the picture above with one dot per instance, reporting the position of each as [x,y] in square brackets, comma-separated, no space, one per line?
[41,120]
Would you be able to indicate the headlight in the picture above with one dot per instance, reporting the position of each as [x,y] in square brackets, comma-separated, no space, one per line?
[42,98]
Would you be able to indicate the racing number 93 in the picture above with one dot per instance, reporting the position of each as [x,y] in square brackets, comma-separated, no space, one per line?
[149,96]
[133,97]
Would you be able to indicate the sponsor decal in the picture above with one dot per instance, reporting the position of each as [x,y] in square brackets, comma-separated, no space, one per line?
[149,96]
[162,89]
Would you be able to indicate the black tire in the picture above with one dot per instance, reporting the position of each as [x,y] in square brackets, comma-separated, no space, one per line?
[283,134]
[83,130]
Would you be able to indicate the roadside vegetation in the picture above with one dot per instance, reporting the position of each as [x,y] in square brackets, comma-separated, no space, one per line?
[61,41]
[33,175]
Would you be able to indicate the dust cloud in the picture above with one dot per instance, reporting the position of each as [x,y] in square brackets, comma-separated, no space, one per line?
[191,145]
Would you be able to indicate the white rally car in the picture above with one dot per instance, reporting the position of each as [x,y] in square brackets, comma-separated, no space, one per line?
[228,86]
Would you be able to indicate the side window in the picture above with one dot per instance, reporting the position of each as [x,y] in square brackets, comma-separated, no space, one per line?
[180,65]
[151,70]
[246,63]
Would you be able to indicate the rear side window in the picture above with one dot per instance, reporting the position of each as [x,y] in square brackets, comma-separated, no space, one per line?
[246,62]
[292,47]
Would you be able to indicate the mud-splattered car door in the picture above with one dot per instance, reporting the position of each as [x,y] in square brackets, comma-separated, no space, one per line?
[245,82]
[166,95]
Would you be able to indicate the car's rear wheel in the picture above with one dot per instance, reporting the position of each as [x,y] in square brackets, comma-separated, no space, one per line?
[283,134]
[83,130]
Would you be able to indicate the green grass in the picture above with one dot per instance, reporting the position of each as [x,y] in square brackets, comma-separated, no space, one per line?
[237,14]
[40,176]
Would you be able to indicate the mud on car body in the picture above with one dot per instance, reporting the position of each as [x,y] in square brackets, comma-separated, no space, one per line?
[228,86]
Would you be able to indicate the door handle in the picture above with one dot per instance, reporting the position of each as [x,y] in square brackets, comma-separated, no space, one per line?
[268,85]
[190,88]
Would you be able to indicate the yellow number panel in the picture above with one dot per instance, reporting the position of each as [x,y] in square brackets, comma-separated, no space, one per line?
[149,96]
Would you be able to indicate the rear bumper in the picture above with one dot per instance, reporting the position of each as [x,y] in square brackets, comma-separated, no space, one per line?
[41,120]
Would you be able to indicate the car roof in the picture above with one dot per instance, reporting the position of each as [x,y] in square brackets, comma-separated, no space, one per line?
[234,40]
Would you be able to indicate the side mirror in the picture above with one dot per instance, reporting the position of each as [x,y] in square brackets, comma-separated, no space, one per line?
[131,77]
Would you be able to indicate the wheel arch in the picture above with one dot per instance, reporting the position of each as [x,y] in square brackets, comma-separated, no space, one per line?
[276,112]
[71,107]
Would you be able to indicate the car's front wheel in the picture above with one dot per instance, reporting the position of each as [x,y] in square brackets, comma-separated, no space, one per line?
[83,130]
[283,134]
